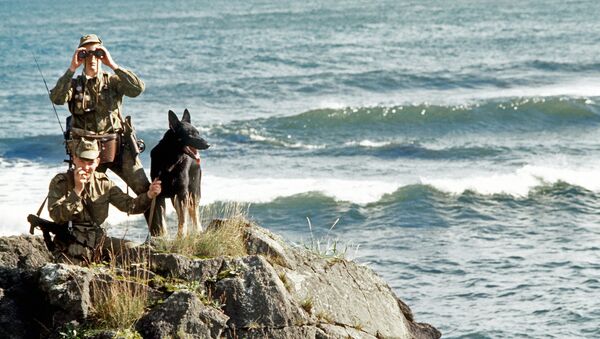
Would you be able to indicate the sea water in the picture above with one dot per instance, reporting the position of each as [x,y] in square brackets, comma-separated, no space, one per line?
[453,146]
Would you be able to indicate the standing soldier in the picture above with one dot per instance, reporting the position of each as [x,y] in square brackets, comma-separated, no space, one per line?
[79,199]
[94,99]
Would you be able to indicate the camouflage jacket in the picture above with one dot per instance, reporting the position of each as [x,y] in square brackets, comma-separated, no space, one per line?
[95,103]
[65,205]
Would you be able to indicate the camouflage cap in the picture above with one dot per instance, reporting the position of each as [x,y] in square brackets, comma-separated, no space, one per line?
[87,149]
[88,39]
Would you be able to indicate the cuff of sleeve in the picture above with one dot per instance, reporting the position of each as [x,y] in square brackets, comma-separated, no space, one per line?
[68,74]
[144,200]
[120,71]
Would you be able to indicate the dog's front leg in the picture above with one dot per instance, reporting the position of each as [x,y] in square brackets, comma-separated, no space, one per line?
[194,220]
[180,208]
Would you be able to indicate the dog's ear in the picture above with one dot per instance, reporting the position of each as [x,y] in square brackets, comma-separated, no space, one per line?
[186,116]
[173,120]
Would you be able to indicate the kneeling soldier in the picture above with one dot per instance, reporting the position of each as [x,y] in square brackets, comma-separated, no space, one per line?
[80,198]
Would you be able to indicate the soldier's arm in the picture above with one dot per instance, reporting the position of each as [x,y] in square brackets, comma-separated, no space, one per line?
[62,92]
[61,207]
[127,204]
[127,83]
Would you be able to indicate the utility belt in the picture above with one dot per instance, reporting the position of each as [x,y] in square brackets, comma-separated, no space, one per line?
[110,143]
[65,235]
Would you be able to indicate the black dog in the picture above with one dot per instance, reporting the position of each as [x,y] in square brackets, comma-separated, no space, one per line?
[176,161]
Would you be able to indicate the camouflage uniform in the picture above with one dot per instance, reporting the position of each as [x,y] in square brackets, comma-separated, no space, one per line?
[95,105]
[65,205]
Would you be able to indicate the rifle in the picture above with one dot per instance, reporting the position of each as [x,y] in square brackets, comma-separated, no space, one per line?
[136,145]
[47,227]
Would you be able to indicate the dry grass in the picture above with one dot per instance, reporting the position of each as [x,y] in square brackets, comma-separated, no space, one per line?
[121,298]
[286,282]
[307,304]
[325,317]
[328,247]
[224,235]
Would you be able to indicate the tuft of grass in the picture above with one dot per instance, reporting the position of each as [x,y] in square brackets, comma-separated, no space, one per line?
[120,300]
[357,325]
[118,304]
[324,316]
[224,236]
[253,325]
[307,304]
[286,282]
[327,247]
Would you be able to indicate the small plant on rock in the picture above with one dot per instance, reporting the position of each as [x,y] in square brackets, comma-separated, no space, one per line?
[286,282]
[324,316]
[307,304]
[224,235]
[327,247]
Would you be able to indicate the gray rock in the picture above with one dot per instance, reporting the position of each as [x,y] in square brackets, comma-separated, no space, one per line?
[20,257]
[294,332]
[277,291]
[67,289]
[341,332]
[178,266]
[347,294]
[182,315]
[254,294]
[261,241]
[24,253]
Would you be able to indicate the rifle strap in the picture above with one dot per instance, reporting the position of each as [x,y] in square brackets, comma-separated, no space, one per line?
[47,238]
[42,206]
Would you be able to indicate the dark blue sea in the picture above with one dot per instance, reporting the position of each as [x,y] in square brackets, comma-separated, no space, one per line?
[453,145]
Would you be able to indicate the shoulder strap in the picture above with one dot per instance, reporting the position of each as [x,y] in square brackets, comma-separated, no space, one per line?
[105,77]
[42,206]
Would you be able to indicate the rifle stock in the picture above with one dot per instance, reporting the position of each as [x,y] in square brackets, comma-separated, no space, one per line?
[47,227]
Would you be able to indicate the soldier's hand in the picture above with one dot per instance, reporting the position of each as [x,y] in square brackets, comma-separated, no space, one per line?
[154,189]
[76,61]
[107,59]
[81,177]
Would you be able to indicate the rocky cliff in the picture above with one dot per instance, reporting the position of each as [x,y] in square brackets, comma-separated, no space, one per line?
[278,290]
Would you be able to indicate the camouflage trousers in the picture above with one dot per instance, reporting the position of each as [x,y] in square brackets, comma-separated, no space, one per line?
[130,170]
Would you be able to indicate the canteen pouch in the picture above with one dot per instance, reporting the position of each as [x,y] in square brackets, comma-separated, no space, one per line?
[110,148]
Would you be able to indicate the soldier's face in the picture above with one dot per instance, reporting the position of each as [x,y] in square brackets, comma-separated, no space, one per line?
[92,63]
[89,166]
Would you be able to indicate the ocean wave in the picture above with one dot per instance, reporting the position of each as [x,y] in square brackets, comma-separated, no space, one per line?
[524,182]
[506,112]
[380,126]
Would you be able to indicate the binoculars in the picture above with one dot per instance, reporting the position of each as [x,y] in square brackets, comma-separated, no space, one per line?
[97,52]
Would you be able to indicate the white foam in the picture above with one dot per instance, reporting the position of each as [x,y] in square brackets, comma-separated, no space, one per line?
[519,182]
[369,143]
[253,135]
[25,185]
[267,189]
[579,88]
